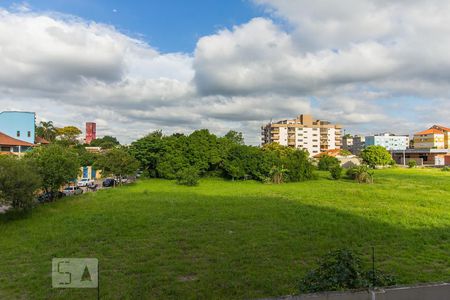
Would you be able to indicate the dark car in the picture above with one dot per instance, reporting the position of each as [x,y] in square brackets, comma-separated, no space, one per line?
[50,196]
[109,182]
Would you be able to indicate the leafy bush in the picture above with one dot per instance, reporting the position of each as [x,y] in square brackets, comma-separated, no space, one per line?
[412,164]
[361,174]
[376,156]
[341,270]
[188,176]
[298,166]
[18,183]
[326,162]
[117,162]
[446,169]
[336,172]
[55,164]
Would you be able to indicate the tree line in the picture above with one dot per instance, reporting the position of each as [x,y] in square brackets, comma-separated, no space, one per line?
[205,154]
[46,169]
[185,158]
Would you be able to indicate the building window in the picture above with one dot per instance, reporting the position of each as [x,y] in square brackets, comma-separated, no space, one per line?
[29,133]
[18,134]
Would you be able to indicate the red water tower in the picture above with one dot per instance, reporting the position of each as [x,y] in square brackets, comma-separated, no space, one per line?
[91,132]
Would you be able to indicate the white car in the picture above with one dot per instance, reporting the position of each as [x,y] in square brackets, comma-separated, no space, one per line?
[85,182]
[72,191]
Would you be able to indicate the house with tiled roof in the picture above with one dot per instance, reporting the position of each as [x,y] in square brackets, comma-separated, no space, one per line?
[433,138]
[10,145]
[17,132]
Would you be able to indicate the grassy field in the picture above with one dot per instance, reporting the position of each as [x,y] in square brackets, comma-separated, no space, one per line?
[230,240]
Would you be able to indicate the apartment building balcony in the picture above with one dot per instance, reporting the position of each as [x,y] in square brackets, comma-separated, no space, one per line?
[275,136]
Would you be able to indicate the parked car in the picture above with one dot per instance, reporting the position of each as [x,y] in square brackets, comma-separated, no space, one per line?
[50,196]
[109,182]
[127,179]
[72,191]
[85,182]
[92,186]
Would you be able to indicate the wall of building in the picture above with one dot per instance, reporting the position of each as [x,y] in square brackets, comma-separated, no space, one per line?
[18,125]
[429,141]
[91,132]
[283,136]
[390,142]
[90,173]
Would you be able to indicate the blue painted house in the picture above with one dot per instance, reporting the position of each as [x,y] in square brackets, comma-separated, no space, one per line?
[18,124]
[17,131]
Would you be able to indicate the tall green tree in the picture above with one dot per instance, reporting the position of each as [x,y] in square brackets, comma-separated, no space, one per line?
[327,162]
[376,156]
[117,162]
[69,134]
[106,142]
[148,151]
[56,165]
[235,137]
[46,130]
[85,158]
[18,182]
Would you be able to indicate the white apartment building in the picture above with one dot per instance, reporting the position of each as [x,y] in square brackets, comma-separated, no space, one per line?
[316,136]
[389,141]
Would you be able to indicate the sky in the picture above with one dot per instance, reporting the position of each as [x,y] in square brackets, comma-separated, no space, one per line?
[138,66]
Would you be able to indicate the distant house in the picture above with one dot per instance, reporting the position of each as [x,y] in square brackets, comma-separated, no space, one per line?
[433,138]
[347,161]
[19,125]
[12,146]
[41,141]
[17,132]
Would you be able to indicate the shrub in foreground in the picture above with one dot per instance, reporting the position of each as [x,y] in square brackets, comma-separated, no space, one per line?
[327,162]
[342,270]
[188,176]
[55,164]
[446,169]
[361,174]
[376,156]
[18,183]
[412,164]
[336,172]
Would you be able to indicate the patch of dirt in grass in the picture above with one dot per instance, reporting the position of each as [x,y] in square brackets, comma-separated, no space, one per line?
[186,278]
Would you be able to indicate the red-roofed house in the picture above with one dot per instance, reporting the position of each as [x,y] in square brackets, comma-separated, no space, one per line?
[446,132]
[11,146]
[41,141]
[432,138]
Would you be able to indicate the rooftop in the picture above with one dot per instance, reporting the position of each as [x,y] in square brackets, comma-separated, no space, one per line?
[430,131]
[6,140]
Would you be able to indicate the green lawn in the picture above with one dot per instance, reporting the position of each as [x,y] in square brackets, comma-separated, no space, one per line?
[229,240]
